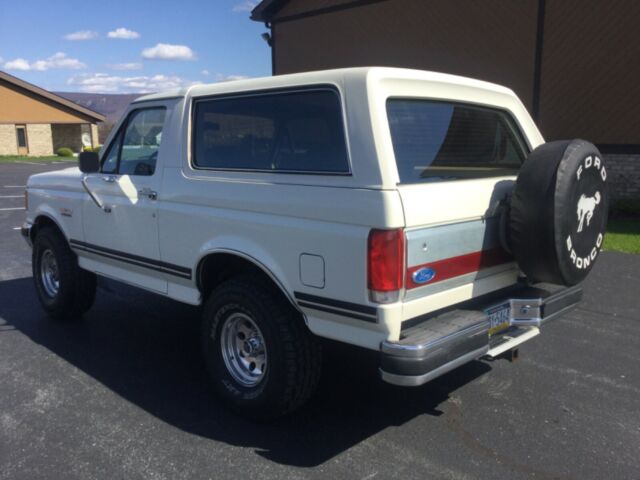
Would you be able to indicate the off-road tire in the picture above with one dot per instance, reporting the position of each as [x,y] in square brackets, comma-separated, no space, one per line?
[293,353]
[77,287]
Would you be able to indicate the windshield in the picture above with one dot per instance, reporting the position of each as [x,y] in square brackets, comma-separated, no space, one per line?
[438,141]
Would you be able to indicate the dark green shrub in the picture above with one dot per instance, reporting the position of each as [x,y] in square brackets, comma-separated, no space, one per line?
[64,152]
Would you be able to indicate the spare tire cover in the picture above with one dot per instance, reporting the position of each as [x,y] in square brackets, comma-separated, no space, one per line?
[559,212]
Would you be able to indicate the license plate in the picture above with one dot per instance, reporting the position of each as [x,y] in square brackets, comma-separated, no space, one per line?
[499,318]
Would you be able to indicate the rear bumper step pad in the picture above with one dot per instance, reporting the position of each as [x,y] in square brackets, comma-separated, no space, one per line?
[444,342]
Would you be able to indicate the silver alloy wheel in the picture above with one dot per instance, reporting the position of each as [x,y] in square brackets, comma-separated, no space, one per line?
[243,349]
[49,273]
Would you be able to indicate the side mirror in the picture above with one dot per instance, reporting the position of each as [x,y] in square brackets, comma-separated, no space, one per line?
[89,162]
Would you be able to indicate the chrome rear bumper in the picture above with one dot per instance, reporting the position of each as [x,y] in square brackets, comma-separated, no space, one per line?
[435,345]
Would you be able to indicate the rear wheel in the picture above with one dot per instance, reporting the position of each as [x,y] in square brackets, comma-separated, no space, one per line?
[64,289]
[263,361]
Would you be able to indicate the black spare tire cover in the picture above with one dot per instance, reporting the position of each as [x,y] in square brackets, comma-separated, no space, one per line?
[559,212]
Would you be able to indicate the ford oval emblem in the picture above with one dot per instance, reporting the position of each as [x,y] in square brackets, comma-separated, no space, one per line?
[423,275]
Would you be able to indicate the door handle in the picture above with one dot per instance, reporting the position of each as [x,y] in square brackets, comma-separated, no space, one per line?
[147,192]
[109,179]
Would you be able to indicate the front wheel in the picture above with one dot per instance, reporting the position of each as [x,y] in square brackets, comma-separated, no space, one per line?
[263,361]
[65,290]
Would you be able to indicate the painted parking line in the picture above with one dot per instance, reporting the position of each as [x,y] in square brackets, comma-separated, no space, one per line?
[16,228]
[13,208]
[11,196]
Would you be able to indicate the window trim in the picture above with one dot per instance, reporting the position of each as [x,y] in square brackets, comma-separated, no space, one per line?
[22,127]
[512,123]
[122,129]
[263,93]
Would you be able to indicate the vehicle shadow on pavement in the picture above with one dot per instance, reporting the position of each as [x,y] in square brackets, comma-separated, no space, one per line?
[146,349]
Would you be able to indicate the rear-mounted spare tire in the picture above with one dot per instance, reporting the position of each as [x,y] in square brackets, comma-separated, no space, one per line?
[558,213]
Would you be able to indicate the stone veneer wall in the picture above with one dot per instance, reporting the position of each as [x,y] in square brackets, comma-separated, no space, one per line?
[67,135]
[8,139]
[624,176]
[94,135]
[39,139]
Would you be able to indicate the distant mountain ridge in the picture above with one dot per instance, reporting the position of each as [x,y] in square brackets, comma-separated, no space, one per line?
[111,105]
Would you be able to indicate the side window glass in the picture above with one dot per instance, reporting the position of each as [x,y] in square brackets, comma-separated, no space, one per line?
[110,160]
[281,132]
[141,142]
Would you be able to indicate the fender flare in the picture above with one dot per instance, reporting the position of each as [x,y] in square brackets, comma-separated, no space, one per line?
[50,216]
[252,259]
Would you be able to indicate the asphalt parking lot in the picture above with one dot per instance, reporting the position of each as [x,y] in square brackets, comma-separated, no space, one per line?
[124,394]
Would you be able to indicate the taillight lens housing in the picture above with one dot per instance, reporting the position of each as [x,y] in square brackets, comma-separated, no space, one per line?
[385,265]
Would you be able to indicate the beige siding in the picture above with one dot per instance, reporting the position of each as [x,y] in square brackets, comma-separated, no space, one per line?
[21,106]
[39,139]
[8,140]
[491,40]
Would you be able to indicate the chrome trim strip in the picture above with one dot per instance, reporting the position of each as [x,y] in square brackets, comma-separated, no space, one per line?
[417,380]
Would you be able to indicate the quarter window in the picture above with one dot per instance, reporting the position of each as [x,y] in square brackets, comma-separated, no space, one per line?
[134,151]
[283,132]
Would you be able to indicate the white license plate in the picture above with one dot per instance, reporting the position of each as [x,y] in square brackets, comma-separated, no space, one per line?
[499,318]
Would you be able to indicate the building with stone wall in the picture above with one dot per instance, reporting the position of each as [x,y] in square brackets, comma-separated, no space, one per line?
[36,122]
[574,63]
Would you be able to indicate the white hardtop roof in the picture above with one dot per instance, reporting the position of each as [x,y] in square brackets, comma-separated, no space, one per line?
[336,76]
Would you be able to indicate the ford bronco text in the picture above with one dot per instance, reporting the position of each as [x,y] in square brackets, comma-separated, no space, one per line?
[417,214]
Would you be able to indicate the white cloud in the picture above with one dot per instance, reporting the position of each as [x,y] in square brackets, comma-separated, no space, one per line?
[123,34]
[105,83]
[245,6]
[17,64]
[81,35]
[205,73]
[229,78]
[165,51]
[58,60]
[126,66]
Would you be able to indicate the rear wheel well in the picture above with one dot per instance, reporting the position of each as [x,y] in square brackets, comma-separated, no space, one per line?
[216,268]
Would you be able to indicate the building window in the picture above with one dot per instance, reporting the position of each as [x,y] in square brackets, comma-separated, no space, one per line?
[21,135]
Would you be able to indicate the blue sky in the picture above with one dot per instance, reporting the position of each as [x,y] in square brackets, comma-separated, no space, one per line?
[115,46]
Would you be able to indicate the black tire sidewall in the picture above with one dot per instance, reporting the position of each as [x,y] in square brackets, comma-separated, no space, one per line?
[261,400]
[543,217]
[581,175]
[48,240]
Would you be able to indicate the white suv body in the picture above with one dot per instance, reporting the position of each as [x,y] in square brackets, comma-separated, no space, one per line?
[157,226]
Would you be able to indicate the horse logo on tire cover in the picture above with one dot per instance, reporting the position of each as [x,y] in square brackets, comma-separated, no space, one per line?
[586,207]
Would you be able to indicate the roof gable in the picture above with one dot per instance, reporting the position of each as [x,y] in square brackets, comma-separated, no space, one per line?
[50,101]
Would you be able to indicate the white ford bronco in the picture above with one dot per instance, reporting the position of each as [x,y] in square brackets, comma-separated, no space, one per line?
[417,214]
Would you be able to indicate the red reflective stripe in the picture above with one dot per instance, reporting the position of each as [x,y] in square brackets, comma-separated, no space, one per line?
[457,266]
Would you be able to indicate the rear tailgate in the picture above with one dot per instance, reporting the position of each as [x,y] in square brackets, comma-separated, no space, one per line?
[453,239]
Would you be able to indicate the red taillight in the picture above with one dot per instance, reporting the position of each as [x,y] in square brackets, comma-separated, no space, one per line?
[385,264]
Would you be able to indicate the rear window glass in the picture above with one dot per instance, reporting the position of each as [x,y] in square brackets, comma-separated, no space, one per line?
[438,141]
[280,132]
